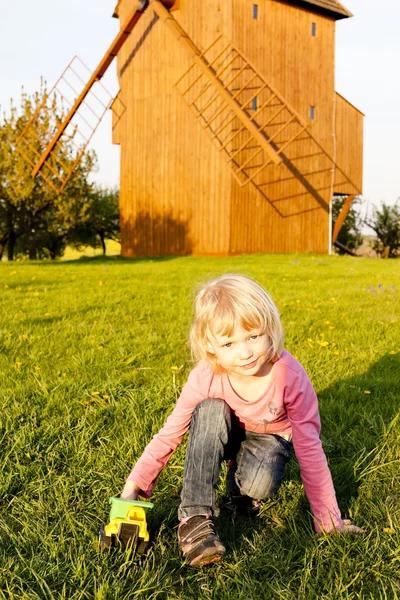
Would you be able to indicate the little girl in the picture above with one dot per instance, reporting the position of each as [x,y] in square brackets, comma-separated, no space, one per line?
[246,400]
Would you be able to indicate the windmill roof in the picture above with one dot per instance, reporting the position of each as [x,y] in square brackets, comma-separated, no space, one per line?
[334,7]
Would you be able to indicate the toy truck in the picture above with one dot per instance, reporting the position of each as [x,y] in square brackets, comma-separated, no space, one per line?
[127,526]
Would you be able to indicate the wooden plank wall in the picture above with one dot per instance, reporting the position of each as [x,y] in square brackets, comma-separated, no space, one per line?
[349,135]
[301,67]
[175,188]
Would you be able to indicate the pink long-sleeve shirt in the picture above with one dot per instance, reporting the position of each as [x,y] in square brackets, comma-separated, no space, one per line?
[288,405]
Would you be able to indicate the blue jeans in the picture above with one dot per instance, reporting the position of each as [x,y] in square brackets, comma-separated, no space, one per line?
[215,436]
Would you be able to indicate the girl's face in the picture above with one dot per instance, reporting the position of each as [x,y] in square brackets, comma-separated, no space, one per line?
[243,354]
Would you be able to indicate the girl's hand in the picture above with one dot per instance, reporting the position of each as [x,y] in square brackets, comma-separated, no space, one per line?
[131,491]
[348,527]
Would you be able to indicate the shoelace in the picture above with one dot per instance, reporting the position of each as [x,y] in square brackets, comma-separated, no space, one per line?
[203,529]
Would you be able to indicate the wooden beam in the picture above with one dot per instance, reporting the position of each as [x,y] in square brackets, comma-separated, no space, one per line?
[96,76]
[184,39]
[342,216]
[344,249]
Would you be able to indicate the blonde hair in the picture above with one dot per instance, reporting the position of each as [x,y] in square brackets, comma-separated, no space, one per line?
[229,302]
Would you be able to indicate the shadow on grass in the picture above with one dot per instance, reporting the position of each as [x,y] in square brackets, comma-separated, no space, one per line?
[355,412]
[99,259]
[85,260]
[68,316]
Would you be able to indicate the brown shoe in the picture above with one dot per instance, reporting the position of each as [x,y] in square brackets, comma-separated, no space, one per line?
[198,541]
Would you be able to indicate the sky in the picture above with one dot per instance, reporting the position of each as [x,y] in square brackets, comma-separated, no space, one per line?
[38,39]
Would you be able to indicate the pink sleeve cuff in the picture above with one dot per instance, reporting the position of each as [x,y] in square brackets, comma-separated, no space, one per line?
[145,490]
[323,525]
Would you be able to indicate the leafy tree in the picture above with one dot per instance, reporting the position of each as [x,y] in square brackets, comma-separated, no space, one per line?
[350,232]
[3,229]
[12,226]
[102,220]
[53,227]
[29,206]
[386,224]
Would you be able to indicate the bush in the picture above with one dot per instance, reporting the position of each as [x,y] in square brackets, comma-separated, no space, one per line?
[386,224]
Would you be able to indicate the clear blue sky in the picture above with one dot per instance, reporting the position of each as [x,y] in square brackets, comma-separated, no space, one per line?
[40,38]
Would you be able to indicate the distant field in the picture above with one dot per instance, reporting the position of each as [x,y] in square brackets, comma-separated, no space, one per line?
[88,357]
[113,249]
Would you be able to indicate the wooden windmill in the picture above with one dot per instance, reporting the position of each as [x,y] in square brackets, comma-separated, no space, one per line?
[232,136]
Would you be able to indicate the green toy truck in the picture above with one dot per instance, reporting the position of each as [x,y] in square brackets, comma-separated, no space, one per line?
[127,526]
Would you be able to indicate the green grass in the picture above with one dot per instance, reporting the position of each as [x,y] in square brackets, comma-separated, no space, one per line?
[86,356]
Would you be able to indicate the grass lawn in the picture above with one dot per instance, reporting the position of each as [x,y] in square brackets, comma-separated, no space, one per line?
[88,357]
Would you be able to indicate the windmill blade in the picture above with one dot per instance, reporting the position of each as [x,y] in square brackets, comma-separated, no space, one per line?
[79,101]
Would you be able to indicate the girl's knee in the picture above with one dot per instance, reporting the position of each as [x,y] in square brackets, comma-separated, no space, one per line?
[261,469]
[262,487]
[211,407]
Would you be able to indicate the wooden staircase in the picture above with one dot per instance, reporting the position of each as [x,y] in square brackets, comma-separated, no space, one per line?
[248,122]
[252,123]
